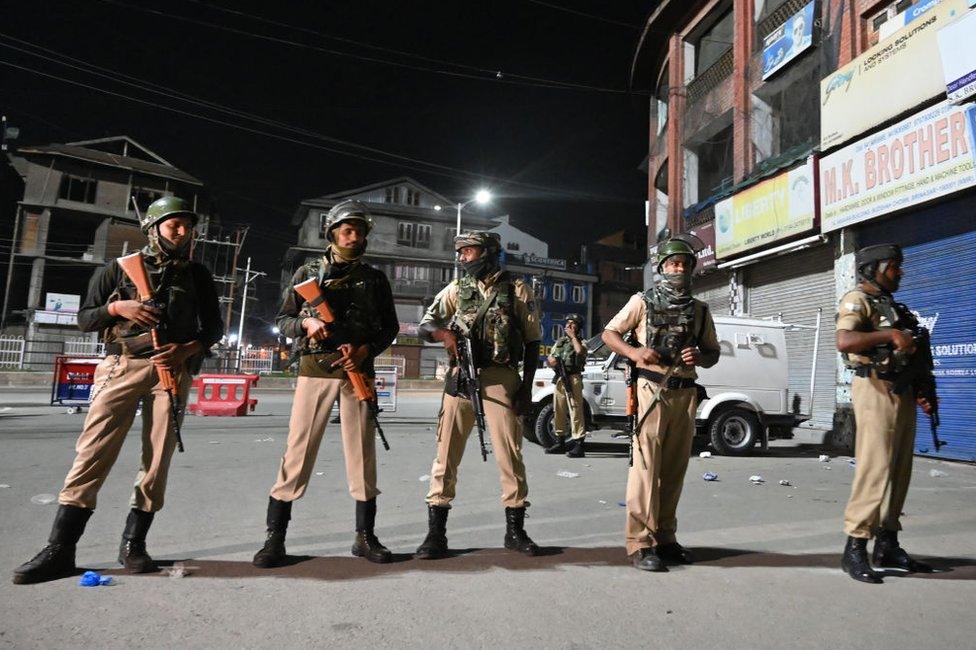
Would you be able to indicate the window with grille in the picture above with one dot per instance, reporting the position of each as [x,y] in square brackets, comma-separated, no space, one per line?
[422,235]
[405,233]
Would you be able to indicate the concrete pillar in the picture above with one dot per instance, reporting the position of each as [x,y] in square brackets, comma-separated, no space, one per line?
[742,150]
[675,132]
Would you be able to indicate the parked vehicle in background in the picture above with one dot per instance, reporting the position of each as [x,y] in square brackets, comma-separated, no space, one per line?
[748,389]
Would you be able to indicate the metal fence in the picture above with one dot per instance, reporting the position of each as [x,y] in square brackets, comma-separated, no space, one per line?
[18,353]
[397,361]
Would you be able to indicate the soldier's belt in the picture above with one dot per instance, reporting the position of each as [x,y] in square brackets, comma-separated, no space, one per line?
[868,371]
[672,383]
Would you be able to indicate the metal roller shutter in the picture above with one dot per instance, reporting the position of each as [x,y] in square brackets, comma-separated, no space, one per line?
[795,285]
[940,287]
[713,289]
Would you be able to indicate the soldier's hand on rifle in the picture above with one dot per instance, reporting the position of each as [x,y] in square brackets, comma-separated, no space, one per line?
[135,311]
[172,355]
[645,356]
[352,356]
[315,329]
[903,341]
[551,362]
[691,356]
[450,342]
[926,406]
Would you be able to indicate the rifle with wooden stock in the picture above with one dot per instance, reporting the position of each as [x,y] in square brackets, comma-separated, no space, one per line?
[361,384]
[134,267]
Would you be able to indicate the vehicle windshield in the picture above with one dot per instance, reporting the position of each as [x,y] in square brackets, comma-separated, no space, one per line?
[598,351]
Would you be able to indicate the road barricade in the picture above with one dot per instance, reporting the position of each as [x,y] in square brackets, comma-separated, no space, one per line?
[74,377]
[228,395]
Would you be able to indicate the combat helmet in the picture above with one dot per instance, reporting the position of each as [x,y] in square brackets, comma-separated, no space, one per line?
[867,259]
[162,209]
[351,210]
[675,246]
[490,241]
[574,317]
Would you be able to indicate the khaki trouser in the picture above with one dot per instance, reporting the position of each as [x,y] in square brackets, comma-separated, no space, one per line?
[498,387]
[883,448]
[657,475]
[561,408]
[314,398]
[120,383]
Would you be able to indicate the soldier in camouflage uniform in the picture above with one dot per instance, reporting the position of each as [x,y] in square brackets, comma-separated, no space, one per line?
[571,352]
[366,324]
[186,305]
[673,330]
[870,338]
[500,313]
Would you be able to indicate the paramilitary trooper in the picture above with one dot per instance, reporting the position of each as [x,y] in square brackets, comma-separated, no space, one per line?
[872,336]
[675,333]
[570,352]
[186,308]
[365,325]
[500,313]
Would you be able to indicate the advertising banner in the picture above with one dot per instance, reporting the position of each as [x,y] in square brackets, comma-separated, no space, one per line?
[774,209]
[957,42]
[706,256]
[787,41]
[64,302]
[890,78]
[926,156]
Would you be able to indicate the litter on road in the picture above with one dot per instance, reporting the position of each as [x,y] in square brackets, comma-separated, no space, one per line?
[94,579]
[937,473]
[756,479]
[43,499]
[710,476]
[564,474]
[824,458]
[424,478]
[705,454]
[785,482]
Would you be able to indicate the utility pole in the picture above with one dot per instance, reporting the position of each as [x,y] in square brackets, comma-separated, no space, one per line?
[249,276]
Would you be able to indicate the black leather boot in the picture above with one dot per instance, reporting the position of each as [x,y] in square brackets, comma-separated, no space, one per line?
[558,448]
[434,546]
[366,544]
[889,553]
[57,559]
[132,551]
[273,554]
[646,559]
[576,449]
[515,536]
[674,553]
[855,561]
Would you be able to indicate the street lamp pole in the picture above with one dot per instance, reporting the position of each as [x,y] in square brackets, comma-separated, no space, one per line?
[482,197]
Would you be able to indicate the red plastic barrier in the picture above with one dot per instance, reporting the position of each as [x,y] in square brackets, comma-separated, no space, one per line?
[228,395]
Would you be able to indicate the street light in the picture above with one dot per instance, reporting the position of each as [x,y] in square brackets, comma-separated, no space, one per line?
[481,197]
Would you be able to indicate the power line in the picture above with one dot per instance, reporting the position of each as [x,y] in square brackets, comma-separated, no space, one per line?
[407,162]
[496,76]
[610,21]
[421,57]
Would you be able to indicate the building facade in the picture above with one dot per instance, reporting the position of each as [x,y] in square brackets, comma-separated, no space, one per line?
[786,131]
[76,213]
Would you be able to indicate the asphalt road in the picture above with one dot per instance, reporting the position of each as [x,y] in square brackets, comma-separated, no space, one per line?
[767,577]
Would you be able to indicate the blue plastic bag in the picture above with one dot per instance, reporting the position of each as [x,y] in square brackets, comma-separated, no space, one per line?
[94,579]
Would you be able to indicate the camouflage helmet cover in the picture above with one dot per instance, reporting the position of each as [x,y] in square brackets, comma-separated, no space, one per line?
[165,208]
[877,253]
[348,211]
[576,318]
[490,241]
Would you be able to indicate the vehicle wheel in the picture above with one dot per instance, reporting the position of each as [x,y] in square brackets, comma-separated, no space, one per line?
[544,426]
[734,432]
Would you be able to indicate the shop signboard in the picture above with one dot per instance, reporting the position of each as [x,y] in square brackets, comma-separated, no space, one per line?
[788,41]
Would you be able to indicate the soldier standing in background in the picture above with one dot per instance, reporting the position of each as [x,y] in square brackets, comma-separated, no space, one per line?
[569,352]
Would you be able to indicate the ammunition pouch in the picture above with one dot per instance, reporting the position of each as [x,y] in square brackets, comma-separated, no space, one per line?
[137,346]
[452,385]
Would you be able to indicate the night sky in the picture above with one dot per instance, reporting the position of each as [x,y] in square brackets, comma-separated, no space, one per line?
[554,155]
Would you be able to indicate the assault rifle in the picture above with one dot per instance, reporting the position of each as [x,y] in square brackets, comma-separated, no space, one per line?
[915,371]
[560,373]
[361,384]
[134,268]
[630,381]
[469,382]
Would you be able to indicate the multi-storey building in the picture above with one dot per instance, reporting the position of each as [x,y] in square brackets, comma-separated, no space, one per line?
[787,133]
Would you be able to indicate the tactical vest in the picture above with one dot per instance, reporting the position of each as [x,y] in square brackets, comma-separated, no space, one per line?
[669,329]
[499,332]
[352,298]
[891,314]
[564,351]
[175,295]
